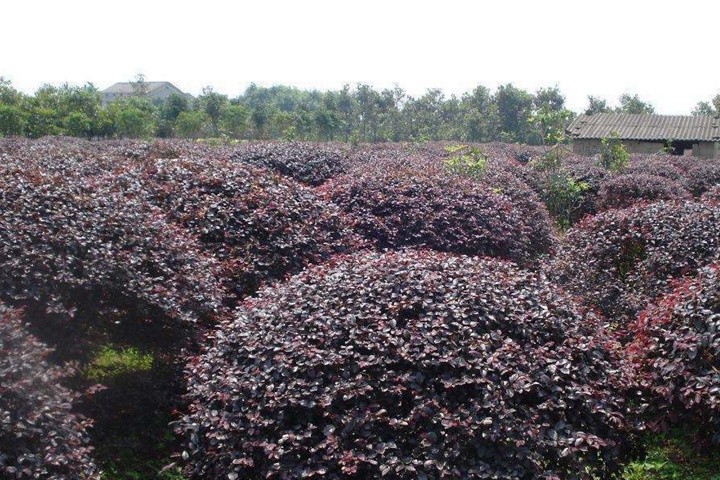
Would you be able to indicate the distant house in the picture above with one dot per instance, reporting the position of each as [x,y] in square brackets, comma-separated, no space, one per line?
[643,133]
[157,91]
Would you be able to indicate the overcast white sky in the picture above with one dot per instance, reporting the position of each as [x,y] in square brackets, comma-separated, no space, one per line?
[665,51]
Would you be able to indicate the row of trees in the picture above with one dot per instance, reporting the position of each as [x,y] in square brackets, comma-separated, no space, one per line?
[352,114]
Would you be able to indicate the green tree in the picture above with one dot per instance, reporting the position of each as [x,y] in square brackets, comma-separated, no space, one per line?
[328,123]
[212,103]
[597,105]
[514,107]
[8,94]
[139,85]
[192,124]
[550,116]
[613,154]
[234,120]
[479,115]
[12,120]
[633,104]
[346,105]
[77,124]
[549,98]
[260,117]
[708,108]
[168,112]
[132,117]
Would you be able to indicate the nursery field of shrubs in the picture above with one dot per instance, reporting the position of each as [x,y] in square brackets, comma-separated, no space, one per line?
[286,310]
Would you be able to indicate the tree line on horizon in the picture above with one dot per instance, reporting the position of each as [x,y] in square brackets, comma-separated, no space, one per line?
[351,114]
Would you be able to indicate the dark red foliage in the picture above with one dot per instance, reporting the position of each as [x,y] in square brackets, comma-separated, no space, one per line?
[626,190]
[408,365]
[535,217]
[310,163]
[677,349]
[72,242]
[399,208]
[712,195]
[260,225]
[583,170]
[620,260]
[673,167]
[702,177]
[39,436]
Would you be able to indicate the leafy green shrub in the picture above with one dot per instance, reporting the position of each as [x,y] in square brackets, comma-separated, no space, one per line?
[563,196]
[408,365]
[613,154]
[466,161]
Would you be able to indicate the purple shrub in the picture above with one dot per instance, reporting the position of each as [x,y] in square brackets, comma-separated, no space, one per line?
[39,436]
[408,364]
[677,350]
[310,163]
[623,191]
[620,260]
[412,208]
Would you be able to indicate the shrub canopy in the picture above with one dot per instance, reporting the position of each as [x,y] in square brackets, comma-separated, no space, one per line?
[677,349]
[405,364]
[625,190]
[310,163]
[407,207]
[39,436]
[620,260]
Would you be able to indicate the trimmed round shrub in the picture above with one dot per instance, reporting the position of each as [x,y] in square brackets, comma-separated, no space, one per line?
[407,364]
[76,246]
[625,190]
[654,165]
[712,195]
[538,223]
[412,208]
[702,177]
[620,260]
[665,166]
[592,176]
[260,225]
[677,349]
[310,163]
[39,436]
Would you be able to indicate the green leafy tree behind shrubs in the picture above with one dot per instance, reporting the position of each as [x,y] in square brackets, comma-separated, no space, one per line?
[562,195]
[467,161]
[192,124]
[613,154]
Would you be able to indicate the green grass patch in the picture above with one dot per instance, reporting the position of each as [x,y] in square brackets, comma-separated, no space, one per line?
[674,457]
[111,361]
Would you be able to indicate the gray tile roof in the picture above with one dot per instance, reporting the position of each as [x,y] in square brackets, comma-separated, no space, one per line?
[127,87]
[646,127]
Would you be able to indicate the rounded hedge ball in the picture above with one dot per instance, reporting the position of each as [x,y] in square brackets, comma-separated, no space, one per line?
[411,364]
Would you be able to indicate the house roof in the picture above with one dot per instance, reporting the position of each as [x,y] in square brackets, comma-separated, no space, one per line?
[127,87]
[704,128]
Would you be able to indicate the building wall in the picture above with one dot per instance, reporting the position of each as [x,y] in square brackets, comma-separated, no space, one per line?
[592,146]
[706,150]
[586,147]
